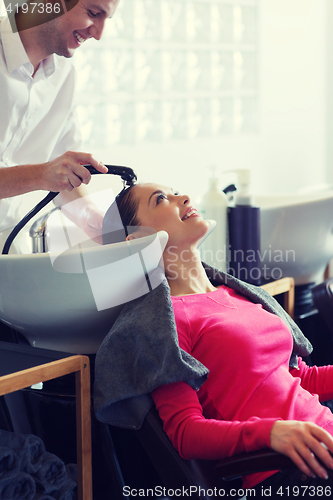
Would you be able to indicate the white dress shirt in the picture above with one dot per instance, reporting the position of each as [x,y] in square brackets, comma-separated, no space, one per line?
[37,116]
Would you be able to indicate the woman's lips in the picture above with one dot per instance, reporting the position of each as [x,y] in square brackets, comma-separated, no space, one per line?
[190,212]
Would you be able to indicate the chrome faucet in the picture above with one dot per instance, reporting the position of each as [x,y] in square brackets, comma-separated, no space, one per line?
[38,233]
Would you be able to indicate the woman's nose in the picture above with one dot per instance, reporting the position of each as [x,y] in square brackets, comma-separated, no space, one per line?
[183,199]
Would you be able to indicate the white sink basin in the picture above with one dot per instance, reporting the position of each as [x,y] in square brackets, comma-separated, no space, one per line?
[69,301]
[296,234]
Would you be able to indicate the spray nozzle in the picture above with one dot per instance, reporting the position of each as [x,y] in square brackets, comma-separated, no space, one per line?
[243,196]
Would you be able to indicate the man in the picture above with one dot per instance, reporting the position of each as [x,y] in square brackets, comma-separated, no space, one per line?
[38,129]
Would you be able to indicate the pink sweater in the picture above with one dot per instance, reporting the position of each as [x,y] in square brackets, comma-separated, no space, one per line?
[250,385]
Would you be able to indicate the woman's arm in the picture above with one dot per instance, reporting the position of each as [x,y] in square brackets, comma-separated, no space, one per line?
[194,436]
[315,379]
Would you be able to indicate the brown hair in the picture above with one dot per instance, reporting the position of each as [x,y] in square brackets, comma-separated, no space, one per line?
[121,217]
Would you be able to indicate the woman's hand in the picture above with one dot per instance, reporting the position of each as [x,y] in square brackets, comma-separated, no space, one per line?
[304,443]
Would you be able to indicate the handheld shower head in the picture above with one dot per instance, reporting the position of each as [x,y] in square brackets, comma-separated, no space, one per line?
[126,173]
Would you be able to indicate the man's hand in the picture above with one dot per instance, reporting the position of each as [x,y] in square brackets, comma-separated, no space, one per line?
[62,174]
[66,175]
[67,172]
[304,442]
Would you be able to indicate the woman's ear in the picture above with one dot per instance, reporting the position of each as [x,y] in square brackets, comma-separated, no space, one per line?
[140,232]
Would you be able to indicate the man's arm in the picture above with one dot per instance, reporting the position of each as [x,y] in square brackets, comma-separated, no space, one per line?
[61,174]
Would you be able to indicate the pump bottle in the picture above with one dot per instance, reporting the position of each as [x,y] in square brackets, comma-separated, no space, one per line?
[244,233]
[214,205]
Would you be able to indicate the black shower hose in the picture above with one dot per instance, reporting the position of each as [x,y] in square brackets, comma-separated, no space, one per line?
[126,173]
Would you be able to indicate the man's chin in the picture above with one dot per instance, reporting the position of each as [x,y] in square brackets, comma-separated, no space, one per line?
[66,53]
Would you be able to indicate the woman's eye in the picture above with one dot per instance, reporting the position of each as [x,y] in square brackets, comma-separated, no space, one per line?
[160,197]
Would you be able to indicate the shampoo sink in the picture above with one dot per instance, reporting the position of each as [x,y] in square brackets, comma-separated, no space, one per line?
[296,234]
[68,301]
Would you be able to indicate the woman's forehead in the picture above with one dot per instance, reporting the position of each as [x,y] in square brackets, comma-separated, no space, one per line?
[145,189]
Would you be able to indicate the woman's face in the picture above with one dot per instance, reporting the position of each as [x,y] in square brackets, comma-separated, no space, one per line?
[162,209]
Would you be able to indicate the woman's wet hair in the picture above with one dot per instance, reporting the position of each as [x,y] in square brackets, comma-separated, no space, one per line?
[121,217]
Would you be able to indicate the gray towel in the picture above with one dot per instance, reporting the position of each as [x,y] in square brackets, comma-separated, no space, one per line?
[42,497]
[51,474]
[69,490]
[9,463]
[19,487]
[35,453]
[29,448]
[141,351]
[35,472]
[71,472]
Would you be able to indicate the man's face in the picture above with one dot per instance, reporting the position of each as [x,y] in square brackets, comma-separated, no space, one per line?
[67,32]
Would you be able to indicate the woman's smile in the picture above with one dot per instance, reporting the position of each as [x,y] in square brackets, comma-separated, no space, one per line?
[191,212]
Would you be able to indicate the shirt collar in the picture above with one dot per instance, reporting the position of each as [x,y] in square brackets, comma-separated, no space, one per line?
[48,65]
[15,54]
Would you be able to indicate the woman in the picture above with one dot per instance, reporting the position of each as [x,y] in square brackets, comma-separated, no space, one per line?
[252,398]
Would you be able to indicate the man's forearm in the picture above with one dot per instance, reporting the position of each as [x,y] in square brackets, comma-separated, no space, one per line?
[61,174]
[20,179]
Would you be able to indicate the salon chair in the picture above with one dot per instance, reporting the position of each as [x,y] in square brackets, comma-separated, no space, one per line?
[177,473]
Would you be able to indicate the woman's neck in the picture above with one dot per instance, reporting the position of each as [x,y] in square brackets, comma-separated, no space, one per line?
[186,274]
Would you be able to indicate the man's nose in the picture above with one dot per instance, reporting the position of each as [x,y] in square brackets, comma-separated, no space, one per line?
[96,30]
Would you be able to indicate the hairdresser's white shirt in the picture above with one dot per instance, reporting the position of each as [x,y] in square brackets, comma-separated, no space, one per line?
[37,115]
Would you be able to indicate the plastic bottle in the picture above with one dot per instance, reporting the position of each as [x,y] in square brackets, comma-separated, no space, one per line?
[214,205]
[244,232]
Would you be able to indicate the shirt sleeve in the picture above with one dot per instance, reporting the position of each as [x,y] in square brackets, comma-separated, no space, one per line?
[315,379]
[194,436]
[70,138]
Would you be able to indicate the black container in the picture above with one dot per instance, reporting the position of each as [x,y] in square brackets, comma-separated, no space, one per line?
[244,243]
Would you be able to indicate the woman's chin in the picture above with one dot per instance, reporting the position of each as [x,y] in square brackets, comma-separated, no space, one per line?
[206,228]
[199,230]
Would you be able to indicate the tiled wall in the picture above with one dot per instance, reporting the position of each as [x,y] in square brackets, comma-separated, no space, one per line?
[169,70]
